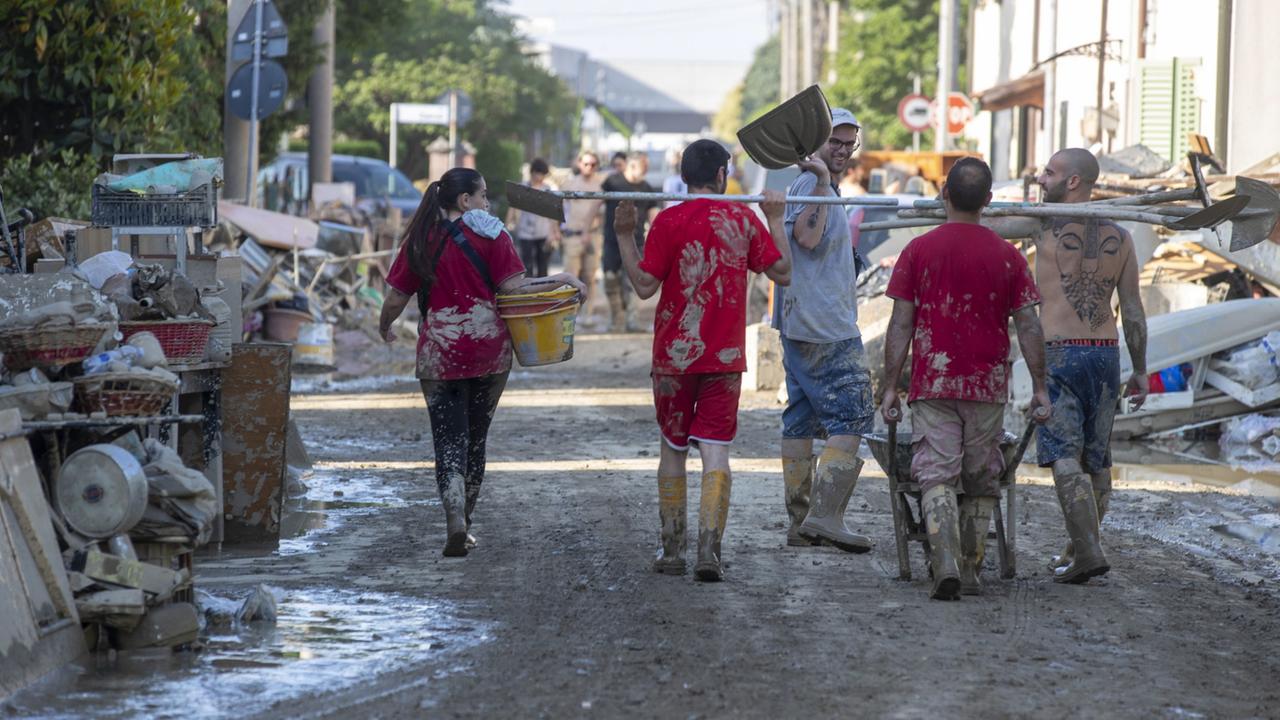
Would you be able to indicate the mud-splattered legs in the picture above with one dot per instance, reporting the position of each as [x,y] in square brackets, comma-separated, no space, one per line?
[461,412]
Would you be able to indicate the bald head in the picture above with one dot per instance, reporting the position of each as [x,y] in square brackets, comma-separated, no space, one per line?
[1069,176]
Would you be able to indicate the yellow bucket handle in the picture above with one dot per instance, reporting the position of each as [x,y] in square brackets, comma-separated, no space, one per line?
[554,308]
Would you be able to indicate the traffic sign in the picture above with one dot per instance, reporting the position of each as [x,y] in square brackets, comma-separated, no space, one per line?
[959,113]
[420,113]
[272,85]
[464,105]
[274,33]
[913,111]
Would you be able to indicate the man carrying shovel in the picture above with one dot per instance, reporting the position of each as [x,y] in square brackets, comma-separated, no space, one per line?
[828,386]
[953,291]
[1080,263]
[698,253]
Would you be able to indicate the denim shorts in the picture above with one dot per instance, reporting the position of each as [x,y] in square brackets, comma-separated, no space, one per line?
[828,389]
[1084,385]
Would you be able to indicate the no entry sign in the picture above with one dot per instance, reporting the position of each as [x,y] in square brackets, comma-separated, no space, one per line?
[959,112]
[913,111]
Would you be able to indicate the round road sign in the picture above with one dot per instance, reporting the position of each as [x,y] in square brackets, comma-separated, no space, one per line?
[959,112]
[913,111]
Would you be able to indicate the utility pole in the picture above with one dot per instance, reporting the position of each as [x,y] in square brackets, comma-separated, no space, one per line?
[784,49]
[320,101]
[1102,70]
[235,132]
[806,47]
[251,171]
[946,59]
[833,39]
[1050,83]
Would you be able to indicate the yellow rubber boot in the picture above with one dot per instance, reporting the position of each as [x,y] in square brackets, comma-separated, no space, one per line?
[975,520]
[940,519]
[797,480]
[713,513]
[672,511]
[837,477]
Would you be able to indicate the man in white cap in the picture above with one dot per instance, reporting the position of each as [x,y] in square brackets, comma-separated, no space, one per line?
[828,387]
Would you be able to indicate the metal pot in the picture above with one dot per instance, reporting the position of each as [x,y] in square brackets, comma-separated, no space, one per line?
[101,491]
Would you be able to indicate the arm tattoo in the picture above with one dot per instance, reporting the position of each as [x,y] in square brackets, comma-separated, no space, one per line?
[1031,341]
[1135,335]
[813,218]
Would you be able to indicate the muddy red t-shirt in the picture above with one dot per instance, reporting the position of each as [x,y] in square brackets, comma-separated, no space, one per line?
[462,335]
[701,251]
[965,282]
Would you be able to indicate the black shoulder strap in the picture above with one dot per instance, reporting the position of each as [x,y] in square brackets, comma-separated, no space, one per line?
[460,239]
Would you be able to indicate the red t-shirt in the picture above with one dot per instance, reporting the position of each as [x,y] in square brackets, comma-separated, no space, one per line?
[965,282]
[462,335]
[701,251]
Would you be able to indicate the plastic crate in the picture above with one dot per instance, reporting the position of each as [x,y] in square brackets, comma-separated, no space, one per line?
[197,207]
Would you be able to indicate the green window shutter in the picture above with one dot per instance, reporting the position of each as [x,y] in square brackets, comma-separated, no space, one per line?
[1168,106]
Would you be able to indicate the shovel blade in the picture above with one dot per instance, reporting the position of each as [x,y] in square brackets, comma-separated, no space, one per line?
[538,202]
[1250,231]
[790,132]
[1213,215]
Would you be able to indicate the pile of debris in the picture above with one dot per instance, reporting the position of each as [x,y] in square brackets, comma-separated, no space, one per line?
[302,281]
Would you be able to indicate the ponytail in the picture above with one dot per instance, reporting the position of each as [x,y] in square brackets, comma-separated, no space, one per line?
[422,236]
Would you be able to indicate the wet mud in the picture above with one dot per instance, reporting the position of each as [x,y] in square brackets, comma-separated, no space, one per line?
[558,613]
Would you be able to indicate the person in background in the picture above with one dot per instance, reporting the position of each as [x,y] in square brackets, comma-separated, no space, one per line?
[456,258]
[737,176]
[851,184]
[618,162]
[536,236]
[617,287]
[674,183]
[698,254]
[581,242]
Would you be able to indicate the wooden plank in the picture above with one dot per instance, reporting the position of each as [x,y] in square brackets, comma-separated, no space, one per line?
[39,627]
[255,391]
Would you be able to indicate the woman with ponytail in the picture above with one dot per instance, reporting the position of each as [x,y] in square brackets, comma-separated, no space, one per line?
[456,258]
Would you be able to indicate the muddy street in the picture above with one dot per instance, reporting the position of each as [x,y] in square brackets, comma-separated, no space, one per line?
[557,614]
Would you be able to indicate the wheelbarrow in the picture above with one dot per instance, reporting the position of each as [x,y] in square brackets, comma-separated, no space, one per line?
[908,526]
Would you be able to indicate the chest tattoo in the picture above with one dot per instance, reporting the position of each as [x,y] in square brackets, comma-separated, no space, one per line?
[1088,268]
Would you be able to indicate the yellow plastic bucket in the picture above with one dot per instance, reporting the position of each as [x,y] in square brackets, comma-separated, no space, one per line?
[541,324]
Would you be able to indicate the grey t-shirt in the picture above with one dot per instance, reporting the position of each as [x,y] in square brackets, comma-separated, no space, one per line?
[820,305]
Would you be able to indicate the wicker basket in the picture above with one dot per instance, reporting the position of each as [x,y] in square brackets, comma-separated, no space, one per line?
[50,347]
[183,341]
[126,394]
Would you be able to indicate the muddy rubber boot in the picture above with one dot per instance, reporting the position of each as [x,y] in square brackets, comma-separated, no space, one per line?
[713,512]
[837,477]
[941,521]
[472,542]
[1101,500]
[617,308]
[1080,510]
[453,499]
[797,481]
[975,520]
[672,511]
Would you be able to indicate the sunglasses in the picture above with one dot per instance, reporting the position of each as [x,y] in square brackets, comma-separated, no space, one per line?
[852,145]
[590,163]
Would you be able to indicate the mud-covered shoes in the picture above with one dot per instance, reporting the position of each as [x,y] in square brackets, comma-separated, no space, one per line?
[453,498]
[797,481]
[672,511]
[1080,510]
[713,513]
[975,520]
[837,477]
[942,522]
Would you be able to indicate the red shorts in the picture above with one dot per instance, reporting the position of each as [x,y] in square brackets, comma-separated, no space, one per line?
[698,408]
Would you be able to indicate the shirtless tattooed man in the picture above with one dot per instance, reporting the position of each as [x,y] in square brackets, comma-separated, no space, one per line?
[1079,266]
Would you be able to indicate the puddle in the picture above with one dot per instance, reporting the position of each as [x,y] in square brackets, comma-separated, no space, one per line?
[324,640]
[331,499]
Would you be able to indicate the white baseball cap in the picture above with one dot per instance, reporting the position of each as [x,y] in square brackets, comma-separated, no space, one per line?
[840,116]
